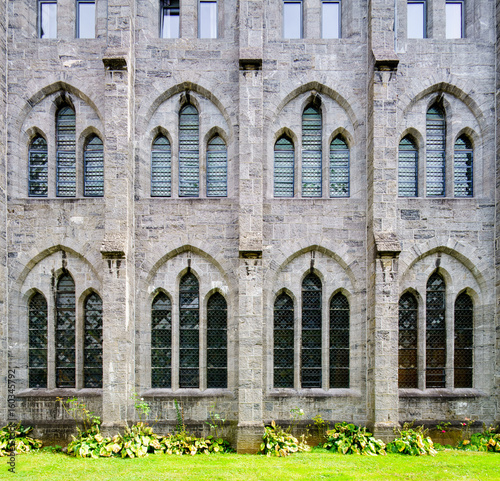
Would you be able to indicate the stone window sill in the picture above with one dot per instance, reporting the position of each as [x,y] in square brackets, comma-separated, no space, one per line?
[59,392]
[442,393]
[312,393]
[185,393]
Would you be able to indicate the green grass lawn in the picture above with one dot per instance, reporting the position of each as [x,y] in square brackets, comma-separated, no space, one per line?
[319,465]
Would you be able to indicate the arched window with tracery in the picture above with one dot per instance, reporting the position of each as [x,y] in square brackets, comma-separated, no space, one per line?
[37,327]
[283,341]
[217,341]
[189,337]
[284,159]
[407,168]
[435,352]
[408,341]
[92,346]
[161,167]
[216,167]
[66,152]
[311,332]
[65,332]
[161,341]
[464,341]
[436,152]
[463,167]
[189,154]
[312,133]
[93,168]
[339,341]
[339,168]
[38,168]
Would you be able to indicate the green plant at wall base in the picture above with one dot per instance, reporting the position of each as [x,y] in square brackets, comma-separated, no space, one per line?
[215,421]
[79,412]
[348,438]
[488,440]
[180,427]
[23,442]
[277,442]
[412,441]
[443,427]
[321,425]
[142,407]
[295,413]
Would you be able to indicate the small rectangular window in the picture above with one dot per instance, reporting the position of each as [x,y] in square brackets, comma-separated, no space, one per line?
[330,20]
[85,19]
[170,19]
[207,24]
[292,19]
[454,19]
[47,19]
[416,19]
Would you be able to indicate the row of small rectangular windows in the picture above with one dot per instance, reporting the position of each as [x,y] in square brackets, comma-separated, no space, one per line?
[292,19]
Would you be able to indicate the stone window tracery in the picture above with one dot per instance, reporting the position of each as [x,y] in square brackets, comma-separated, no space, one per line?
[463,167]
[436,152]
[312,133]
[37,327]
[93,168]
[66,152]
[161,167]
[407,168]
[38,168]
[408,341]
[284,159]
[189,159]
[339,168]
[216,167]
[189,337]
[65,332]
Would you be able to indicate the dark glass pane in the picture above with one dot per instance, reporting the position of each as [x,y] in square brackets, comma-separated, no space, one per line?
[161,167]
[38,168]
[339,378]
[94,168]
[216,168]
[463,167]
[436,144]
[92,363]
[407,168]
[188,152]
[339,341]
[217,341]
[161,341]
[464,341]
[65,332]
[189,330]
[311,152]
[37,325]
[66,158]
[311,331]
[283,341]
[339,168]
[284,158]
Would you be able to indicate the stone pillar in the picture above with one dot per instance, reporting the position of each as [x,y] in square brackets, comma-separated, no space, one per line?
[382,242]
[117,248]
[497,226]
[250,426]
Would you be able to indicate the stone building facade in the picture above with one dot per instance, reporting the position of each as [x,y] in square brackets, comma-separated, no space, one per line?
[249,220]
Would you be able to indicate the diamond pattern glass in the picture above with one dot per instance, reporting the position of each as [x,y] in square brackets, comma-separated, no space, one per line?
[284,158]
[66,158]
[65,332]
[38,168]
[161,341]
[37,325]
[463,167]
[189,331]
[283,341]
[436,144]
[216,168]
[339,341]
[311,152]
[189,161]
[92,347]
[311,332]
[407,168]
[94,168]
[408,337]
[435,352]
[217,341]
[464,341]
[339,168]
[161,167]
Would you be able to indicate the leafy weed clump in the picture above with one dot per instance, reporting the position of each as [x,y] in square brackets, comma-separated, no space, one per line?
[23,443]
[488,440]
[412,441]
[347,438]
[277,442]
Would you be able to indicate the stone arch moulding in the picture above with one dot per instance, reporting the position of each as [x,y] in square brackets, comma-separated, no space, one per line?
[148,110]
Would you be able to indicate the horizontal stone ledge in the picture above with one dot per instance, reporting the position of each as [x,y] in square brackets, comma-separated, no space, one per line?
[187,393]
[59,392]
[313,393]
[442,393]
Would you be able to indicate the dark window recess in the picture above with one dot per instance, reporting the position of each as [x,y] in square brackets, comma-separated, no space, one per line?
[283,341]
[463,168]
[38,168]
[37,325]
[66,157]
[161,342]
[189,332]
[339,341]
[161,167]
[435,335]
[311,332]
[189,155]
[216,168]
[408,338]
[464,341]
[284,158]
[311,152]
[217,342]
[436,152]
[65,332]
[92,349]
[93,171]
[407,168]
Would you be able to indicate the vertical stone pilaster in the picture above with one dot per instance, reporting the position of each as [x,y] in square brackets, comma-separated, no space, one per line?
[250,227]
[117,248]
[383,244]
[497,223]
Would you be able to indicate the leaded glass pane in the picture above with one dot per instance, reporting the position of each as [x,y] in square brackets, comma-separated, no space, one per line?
[189,161]
[435,352]
[408,337]
[161,167]
[311,152]
[189,331]
[94,168]
[463,167]
[436,145]
[339,341]
[65,332]
[92,348]
[407,168]
[161,341]
[339,168]
[38,168]
[37,326]
[216,168]
[284,158]
[311,332]
[66,157]
[464,341]
[283,341]
[217,342]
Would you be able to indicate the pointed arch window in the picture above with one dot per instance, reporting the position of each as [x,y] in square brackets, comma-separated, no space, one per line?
[93,169]
[407,168]
[339,341]
[161,167]
[464,341]
[66,157]
[38,168]
[161,341]
[435,352]
[463,168]
[189,160]
[339,168]
[65,332]
[37,325]
[92,347]
[311,152]
[408,341]
[284,158]
[189,331]
[311,332]
[217,341]
[283,341]
[216,167]
[436,152]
